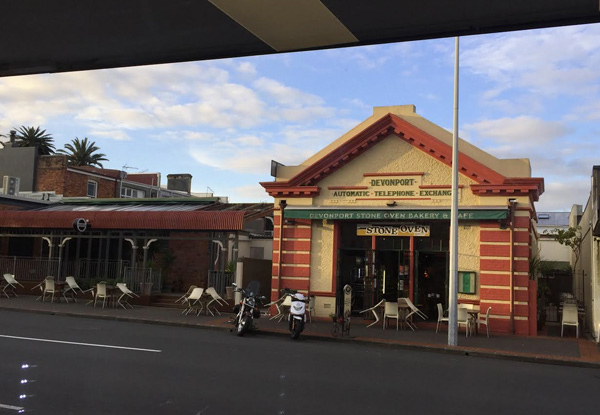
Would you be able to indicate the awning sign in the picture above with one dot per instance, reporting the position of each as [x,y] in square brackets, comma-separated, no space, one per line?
[396,230]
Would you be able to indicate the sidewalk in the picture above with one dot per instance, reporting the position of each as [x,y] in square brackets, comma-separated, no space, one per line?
[581,352]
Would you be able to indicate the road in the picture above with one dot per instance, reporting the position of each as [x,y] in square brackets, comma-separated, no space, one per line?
[109,367]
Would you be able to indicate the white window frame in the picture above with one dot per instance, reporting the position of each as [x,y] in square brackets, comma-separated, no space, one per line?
[95,186]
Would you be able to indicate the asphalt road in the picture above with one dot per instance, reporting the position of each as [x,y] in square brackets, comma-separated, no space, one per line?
[150,369]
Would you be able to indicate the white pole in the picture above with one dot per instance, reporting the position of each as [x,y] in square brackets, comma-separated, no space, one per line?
[453,278]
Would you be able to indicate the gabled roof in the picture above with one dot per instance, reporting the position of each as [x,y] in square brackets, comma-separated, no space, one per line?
[305,183]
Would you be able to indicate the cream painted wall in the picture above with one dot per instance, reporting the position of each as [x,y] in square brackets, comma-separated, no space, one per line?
[321,256]
[468,254]
[393,155]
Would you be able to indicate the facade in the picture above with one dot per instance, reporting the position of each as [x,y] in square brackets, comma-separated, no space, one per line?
[550,249]
[372,210]
[586,283]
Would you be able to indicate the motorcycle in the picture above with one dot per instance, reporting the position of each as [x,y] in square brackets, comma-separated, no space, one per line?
[248,309]
[297,316]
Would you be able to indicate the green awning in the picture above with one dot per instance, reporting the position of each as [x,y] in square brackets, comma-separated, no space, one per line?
[390,214]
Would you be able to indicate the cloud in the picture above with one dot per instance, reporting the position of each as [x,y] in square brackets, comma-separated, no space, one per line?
[560,196]
[114,135]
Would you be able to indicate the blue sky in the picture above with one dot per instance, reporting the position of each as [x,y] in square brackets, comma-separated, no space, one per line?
[529,94]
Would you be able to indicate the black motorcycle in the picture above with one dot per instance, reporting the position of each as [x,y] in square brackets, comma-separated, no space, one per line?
[248,309]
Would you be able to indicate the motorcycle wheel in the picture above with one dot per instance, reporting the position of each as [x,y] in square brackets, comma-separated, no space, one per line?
[296,330]
[243,325]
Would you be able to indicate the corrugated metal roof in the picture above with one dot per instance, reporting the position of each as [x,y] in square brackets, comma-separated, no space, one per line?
[124,208]
[195,220]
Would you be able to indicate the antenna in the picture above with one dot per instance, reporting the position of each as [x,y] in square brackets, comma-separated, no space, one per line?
[211,190]
[126,167]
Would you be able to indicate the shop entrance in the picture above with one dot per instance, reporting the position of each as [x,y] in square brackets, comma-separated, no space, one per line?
[431,282]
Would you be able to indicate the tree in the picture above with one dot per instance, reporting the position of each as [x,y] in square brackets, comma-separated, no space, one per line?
[35,137]
[83,153]
[572,238]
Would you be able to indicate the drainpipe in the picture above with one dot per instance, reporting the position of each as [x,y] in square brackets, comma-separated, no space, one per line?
[282,205]
[60,253]
[513,203]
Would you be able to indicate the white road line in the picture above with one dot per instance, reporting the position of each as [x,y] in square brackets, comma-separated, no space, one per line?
[81,344]
[14,408]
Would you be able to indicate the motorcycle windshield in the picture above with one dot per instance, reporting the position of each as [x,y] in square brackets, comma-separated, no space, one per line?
[253,289]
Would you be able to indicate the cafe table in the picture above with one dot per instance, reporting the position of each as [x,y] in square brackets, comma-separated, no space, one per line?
[473,311]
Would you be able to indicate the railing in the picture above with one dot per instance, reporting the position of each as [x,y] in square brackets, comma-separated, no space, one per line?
[220,280]
[36,269]
[143,281]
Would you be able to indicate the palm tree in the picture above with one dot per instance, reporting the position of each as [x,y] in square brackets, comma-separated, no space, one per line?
[35,137]
[81,153]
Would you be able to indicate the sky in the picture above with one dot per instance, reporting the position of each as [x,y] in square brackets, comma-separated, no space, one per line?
[528,94]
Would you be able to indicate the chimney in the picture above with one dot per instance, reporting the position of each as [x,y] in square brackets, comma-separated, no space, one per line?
[13,138]
[180,182]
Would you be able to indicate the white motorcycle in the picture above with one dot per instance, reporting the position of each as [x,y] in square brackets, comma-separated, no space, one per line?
[297,316]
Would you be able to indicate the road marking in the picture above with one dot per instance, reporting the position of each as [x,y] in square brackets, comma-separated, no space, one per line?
[82,344]
[14,408]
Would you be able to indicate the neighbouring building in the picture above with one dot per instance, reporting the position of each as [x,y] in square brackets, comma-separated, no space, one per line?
[372,211]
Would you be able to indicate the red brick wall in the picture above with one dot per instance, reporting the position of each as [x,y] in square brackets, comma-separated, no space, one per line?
[191,264]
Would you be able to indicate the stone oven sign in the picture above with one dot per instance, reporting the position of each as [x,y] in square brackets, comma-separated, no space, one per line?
[396,230]
[80,224]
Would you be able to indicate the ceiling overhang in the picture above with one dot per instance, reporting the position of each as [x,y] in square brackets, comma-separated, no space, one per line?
[42,36]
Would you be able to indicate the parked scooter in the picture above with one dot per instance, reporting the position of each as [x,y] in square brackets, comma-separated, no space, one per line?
[297,316]
[248,309]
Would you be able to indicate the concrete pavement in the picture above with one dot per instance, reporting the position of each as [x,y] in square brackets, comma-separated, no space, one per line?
[581,352]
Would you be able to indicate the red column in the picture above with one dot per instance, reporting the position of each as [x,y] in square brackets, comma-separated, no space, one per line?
[411,276]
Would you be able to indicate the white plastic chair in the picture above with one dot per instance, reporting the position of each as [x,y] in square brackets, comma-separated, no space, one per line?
[284,307]
[441,318]
[101,293]
[73,287]
[569,318]
[11,284]
[310,308]
[374,311]
[184,296]
[486,321]
[277,303]
[49,288]
[194,300]
[391,311]
[126,294]
[463,319]
[215,298]
[415,309]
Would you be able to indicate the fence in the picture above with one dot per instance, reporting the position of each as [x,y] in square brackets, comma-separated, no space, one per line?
[220,280]
[143,281]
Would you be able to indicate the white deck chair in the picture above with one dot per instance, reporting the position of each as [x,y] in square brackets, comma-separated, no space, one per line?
[404,306]
[569,318]
[126,294]
[391,311]
[49,288]
[486,321]
[215,298]
[73,288]
[101,293]
[441,318]
[374,311]
[184,296]
[414,308]
[277,304]
[11,284]
[284,307]
[194,300]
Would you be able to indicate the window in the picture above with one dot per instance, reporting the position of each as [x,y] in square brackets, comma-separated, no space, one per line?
[92,189]
[129,193]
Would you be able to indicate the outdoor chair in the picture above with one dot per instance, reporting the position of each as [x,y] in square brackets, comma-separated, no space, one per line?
[184,296]
[486,321]
[72,289]
[194,301]
[215,298]
[463,319]
[11,285]
[441,318]
[391,311]
[374,311]
[310,308]
[49,288]
[569,318]
[415,310]
[405,304]
[277,303]
[126,294]
[284,307]
[101,293]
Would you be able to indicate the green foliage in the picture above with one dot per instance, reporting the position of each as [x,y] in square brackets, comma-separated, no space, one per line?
[230,267]
[572,238]
[83,153]
[35,137]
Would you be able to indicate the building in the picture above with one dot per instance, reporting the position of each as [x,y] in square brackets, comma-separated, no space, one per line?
[586,266]
[371,211]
